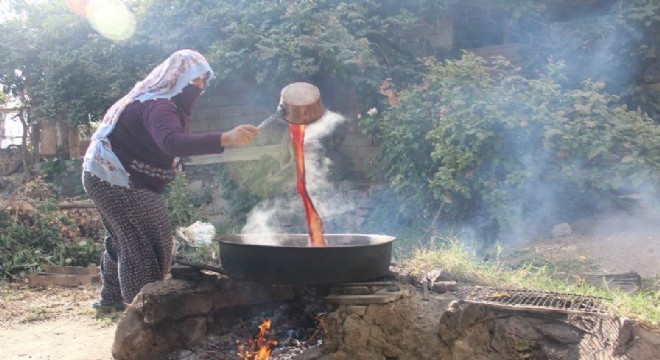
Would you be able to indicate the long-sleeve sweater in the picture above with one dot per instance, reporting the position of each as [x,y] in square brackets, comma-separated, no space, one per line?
[150,135]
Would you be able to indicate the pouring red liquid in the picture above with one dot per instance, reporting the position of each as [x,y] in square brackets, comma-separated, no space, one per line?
[314,222]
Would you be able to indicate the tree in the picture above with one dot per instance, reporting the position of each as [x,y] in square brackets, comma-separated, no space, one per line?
[272,43]
[61,70]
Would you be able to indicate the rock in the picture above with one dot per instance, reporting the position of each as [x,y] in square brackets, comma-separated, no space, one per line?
[438,275]
[444,286]
[561,230]
[21,207]
[132,340]
[4,183]
[310,354]
[358,310]
[193,331]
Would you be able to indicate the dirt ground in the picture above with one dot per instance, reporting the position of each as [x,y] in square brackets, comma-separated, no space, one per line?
[53,323]
[58,323]
[610,244]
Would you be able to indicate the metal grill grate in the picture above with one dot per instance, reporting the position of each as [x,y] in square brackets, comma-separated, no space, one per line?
[537,300]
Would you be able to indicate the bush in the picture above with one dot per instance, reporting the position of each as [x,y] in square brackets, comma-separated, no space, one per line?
[180,204]
[477,140]
[34,232]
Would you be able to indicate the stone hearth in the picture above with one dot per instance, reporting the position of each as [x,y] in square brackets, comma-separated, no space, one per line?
[177,313]
[392,319]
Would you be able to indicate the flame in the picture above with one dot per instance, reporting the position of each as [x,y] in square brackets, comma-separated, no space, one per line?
[260,347]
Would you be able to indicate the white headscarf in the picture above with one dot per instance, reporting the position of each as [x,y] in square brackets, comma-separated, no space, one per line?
[164,82]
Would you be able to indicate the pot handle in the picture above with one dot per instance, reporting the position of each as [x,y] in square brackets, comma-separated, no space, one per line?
[279,114]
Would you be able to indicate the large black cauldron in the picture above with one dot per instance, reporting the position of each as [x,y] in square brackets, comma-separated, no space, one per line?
[288,259]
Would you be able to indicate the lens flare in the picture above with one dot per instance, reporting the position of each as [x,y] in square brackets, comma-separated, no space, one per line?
[110,18]
[77,6]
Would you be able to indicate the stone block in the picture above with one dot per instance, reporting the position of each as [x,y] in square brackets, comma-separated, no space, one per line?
[359,310]
[367,153]
[192,331]
[238,293]
[133,340]
[350,152]
[357,139]
[229,110]
[243,119]
[173,299]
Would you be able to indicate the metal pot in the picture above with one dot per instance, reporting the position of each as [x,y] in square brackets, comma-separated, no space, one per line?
[300,104]
[287,259]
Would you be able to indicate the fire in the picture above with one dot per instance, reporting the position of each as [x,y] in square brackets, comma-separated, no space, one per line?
[260,347]
[314,222]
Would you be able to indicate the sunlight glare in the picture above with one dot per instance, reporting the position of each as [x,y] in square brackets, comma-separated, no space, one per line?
[111,18]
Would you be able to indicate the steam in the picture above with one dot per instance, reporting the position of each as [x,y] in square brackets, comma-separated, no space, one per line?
[280,215]
[266,219]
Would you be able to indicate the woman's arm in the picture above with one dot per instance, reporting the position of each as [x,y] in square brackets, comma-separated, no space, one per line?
[162,121]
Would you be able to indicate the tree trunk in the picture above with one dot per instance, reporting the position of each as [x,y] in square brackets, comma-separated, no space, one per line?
[25,151]
[74,143]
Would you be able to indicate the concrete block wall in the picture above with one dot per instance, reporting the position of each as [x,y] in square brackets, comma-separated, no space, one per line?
[227,108]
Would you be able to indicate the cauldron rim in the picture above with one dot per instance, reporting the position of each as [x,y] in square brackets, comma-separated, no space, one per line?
[374,239]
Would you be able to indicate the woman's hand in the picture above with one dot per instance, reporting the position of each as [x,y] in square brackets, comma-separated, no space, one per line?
[240,135]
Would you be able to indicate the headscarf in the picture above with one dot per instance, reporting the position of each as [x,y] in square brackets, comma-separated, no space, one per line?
[164,82]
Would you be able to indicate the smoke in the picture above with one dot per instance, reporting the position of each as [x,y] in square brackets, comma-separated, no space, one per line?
[266,218]
[317,165]
[281,214]
[597,48]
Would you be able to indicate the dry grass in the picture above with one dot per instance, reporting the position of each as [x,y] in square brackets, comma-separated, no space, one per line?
[451,256]
[20,303]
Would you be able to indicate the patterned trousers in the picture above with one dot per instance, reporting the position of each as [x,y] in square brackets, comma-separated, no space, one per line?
[138,242]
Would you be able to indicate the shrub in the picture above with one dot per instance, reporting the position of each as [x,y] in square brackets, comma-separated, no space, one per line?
[180,204]
[34,232]
[477,139]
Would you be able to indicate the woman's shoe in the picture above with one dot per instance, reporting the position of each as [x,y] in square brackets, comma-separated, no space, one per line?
[103,307]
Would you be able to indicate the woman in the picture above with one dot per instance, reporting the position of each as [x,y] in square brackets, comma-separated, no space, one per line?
[130,161]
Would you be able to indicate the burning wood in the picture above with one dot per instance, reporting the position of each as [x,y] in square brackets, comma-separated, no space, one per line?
[260,347]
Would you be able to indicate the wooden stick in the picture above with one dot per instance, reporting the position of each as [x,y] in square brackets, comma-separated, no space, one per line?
[76,205]
[199,265]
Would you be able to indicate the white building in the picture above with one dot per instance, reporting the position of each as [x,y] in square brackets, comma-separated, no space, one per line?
[11,129]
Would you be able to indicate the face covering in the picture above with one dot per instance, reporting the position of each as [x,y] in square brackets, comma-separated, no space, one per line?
[187,99]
